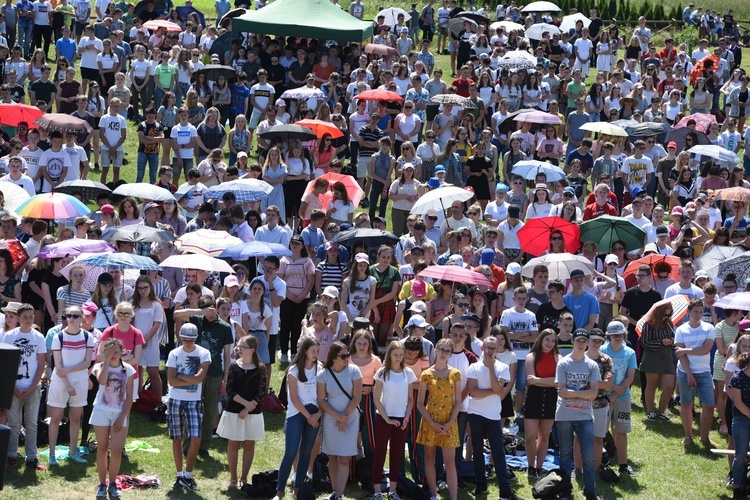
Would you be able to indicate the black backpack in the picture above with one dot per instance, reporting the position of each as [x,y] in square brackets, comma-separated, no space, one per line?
[550,486]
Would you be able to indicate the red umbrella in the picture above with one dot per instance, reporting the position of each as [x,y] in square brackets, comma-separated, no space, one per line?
[13,114]
[456,274]
[534,235]
[17,252]
[652,260]
[379,95]
[320,128]
[697,70]
[702,121]
[162,23]
[353,190]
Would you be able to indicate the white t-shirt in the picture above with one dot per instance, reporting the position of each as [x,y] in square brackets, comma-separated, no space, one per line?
[111,397]
[488,407]
[694,292]
[636,170]
[396,391]
[181,296]
[342,210]
[279,286]
[184,134]
[256,320]
[460,362]
[31,345]
[187,363]
[41,13]
[73,352]
[307,392]
[108,61]
[112,126]
[54,162]
[692,338]
[516,322]
[32,164]
[141,69]
[24,182]
[77,155]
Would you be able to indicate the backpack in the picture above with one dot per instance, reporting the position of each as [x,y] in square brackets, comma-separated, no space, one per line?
[550,486]
[321,479]
[409,489]
[264,483]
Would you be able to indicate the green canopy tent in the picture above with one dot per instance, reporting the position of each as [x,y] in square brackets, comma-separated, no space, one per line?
[304,18]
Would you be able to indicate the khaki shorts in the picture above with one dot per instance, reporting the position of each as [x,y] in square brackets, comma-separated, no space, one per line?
[619,414]
[363,166]
[601,421]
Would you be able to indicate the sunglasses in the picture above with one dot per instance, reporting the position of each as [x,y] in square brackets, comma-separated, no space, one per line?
[556,238]
[343,356]
[72,316]
[462,304]
[123,315]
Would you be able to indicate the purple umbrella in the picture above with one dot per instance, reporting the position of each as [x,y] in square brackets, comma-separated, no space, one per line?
[739,301]
[74,248]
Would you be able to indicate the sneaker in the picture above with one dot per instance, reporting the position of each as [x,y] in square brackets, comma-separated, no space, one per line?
[193,485]
[35,465]
[284,358]
[531,472]
[652,416]
[727,481]
[664,416]
[182,482]
[11,462]
[364,203]
[578,474]
[627,470]
[101,492]
[76,457]
[377,496]
[53,461]
[393,496]
[479,490]
[114,491]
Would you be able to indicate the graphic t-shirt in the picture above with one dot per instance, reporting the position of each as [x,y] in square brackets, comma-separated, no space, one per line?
[187,363]
[263,93]
[516,322]
[149,130]
[359,296]
[55,162]
[31,344]
[184,134]
[112,126]
[623,360]
[111,397]
[636,170]
[576,376]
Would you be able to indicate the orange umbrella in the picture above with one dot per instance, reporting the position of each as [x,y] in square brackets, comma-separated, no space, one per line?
[733,194]
[320,128]
[353,190]
[651,261]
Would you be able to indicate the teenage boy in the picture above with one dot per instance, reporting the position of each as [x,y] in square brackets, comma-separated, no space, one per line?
[601,404]
[549,313]
[577,379]
[113,129]
[693,341]
[623,360]
[54,163]
[187,366]
[601,205]
[685,286]
[583,304]
[27,394]
[538,292]
[520,325]
[461,359]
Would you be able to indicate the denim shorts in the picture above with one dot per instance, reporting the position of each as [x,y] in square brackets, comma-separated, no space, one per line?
[521,375]
[704,388]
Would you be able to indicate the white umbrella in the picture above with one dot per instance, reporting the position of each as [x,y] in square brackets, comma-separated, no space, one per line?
[304,93]
[508,25]
[13,195]
[541,7]
[517,59]
[529,169]
[391,15]
[569,22]
[144,191]
[715,152]
[440,198]
[560,265]
[206,242]
[536,31]
[197,261]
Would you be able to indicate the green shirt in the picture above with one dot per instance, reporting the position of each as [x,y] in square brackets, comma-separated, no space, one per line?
[213,335]
[164,73]
[68,10]
[575,90]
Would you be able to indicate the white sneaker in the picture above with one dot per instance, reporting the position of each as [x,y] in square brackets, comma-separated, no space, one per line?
[284,358]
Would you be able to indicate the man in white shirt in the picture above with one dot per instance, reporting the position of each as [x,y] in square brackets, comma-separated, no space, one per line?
[54,163]
[113,132]
[701,52]
[638,169]
[457,221]
[584,50]
[637,217]
[16,177]
[79,160]
[685,286]
[261,98]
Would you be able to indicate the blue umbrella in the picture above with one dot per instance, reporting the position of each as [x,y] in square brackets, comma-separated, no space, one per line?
[246,251]
[120,261]
[244,190]
[184,11]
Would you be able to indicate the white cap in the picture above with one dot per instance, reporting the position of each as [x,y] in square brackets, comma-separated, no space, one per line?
[331,291]
[419,307]
[231,280]
[417,320]
[611,258]
[513,268]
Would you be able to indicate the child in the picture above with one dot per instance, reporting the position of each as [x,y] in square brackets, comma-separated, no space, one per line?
[187,366]
[27,394]
[242,420]
[110,415]
[340,209]
[319,328]
[566,325]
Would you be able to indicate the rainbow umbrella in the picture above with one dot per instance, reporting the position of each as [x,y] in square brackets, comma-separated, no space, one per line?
[53,206]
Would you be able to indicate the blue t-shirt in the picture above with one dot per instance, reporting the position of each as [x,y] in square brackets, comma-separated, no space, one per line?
[239,94]
[312,237]
[741,230]
[67,49]
[581,306]
[587,160]
[623,360]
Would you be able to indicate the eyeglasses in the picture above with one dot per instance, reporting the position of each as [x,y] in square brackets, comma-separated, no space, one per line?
[343,356]
[556,238]
[123,315]
[144,288]
[444,351]
[408,107]
[243,347]
[72,316]
[568,195]
[473,213]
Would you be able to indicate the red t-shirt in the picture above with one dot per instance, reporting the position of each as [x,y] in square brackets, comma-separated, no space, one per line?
[593,211]
[462,86]
[130,339]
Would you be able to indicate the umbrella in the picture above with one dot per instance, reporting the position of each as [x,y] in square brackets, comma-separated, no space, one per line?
[226,19]
[604,128]
[652,260]
[739,301]
[256,248]
[679,304]
[304,93]
[206,242]
[455,274]
[702,121]
[739,266]
[74,248]
[716,152]
[438,199]
[93,272]
[381,50]
[391,15]
[88,189]
[286,132]
[144,191]
[17,253]
[507,126]
[137,233]
[508,25]
[536,31]
[245,190]
[197,261]
[120,260]
[379,95]
[465,102]
[606,229]
[474,16]
[372,238]
[700,66]
[320,128]
[529,169]
[184,190]
[212,72]
[559,265]
[52,206]
[13,114]
[185,11]
[141,6]
[456,25]
[13,195]
[353,190]
[642,129]
[541,7]
[538,117]
[678,135]
[569,22]
[157,24]
[63,123]
[733,194]
[715,255]
[517,59]
[223,42]
[534,235]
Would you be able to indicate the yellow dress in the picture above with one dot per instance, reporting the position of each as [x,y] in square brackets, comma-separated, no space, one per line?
[439,406]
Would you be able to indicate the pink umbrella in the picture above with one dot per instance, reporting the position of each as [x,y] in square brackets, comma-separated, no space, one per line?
[155,24]
[738,300]
[702,121]
[538,117]
[455,274]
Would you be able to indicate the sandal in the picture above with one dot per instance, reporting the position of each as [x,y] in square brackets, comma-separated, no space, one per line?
[232,485]
[687,440]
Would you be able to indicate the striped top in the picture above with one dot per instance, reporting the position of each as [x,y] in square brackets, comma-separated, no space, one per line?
[651,337]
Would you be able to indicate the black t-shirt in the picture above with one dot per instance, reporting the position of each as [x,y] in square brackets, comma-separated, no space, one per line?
[149,130]
[549,317]
[300,71]
[17,93]
[148,16]
[43,91]
[595,27]
[638,303]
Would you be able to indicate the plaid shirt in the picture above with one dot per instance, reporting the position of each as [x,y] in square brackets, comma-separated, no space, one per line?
[143,249]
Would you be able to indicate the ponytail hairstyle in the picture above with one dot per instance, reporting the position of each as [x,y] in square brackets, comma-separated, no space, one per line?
[305,344]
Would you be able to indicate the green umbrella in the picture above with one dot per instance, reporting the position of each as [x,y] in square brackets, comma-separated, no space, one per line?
[606,229]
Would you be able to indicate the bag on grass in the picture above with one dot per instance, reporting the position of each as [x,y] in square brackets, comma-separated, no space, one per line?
[550,486]
[407,488]
[264,483]
[321,479]
[159,414]
[609,475]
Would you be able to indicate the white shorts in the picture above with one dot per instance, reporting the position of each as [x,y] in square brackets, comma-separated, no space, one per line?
[58,396]
[254,119]
[601,421]
[363,166]
[106,418]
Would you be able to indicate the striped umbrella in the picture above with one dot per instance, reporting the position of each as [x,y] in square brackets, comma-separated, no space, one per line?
[245,190]
[207,242]
[679,310]
[52,206]
[94,270]
[739,301]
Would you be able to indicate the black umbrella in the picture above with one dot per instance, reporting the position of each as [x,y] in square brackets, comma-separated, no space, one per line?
[226,19]
[642,129]
[223,44]
[185,11]
[141,6]
[88,189]
[509,125]
[287,132]
[137,233]
[372,238]
[212,72]
[477,18]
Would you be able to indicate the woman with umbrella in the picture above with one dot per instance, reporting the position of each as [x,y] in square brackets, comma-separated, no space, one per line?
[657,341]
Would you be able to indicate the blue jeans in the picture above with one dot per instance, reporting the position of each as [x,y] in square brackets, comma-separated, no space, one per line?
[584,430]
[299,436]
[158,96]
[25,36]
[153,166]
[184,87]
[482,428]
[741,435]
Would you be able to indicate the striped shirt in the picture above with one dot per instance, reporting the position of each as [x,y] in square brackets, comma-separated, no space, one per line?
[71,298]
[331,274]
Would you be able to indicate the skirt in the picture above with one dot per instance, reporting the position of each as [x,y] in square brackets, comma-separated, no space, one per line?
[540,402]
[263,353]
[234,428]
[387,310]
[658,361]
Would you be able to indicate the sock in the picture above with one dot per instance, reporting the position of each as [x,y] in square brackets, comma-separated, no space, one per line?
[188,475]
[180,474]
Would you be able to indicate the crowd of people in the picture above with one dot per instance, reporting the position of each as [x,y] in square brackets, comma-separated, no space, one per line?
[375,355]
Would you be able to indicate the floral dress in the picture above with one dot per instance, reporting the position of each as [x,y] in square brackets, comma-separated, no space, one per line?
[440,407]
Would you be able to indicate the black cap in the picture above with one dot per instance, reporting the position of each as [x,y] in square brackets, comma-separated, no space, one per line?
[296,239]
[577,273]
[471,317]
[105,278]
[581,333]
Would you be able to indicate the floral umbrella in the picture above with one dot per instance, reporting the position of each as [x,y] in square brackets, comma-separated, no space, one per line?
[702,121]
[535,235]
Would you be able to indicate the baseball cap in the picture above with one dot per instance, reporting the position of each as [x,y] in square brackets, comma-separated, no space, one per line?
[418,288]
[189,331]
[611,258]
[616,328]
[501,187]
[581,333]
[431,212]
[577,273]
[280,102]
[596,333]
[151,205]
[513,268]
[677,211]
[108,209]
[471,317]
[82,220]
[362,257]
[701,274]
[662,230]
[404,30]
[89,308]
[569,190]
[105,278]
[744,325]
[378,219]
[636,191]
[241,154]
[417,320]
[407,165]
[418,306]
[439,169]
[331,244]
[650,247]
[672,144]
[331,291]
[231,280]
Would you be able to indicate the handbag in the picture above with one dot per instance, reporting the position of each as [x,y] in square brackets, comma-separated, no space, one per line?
[344,391]
[271,403]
